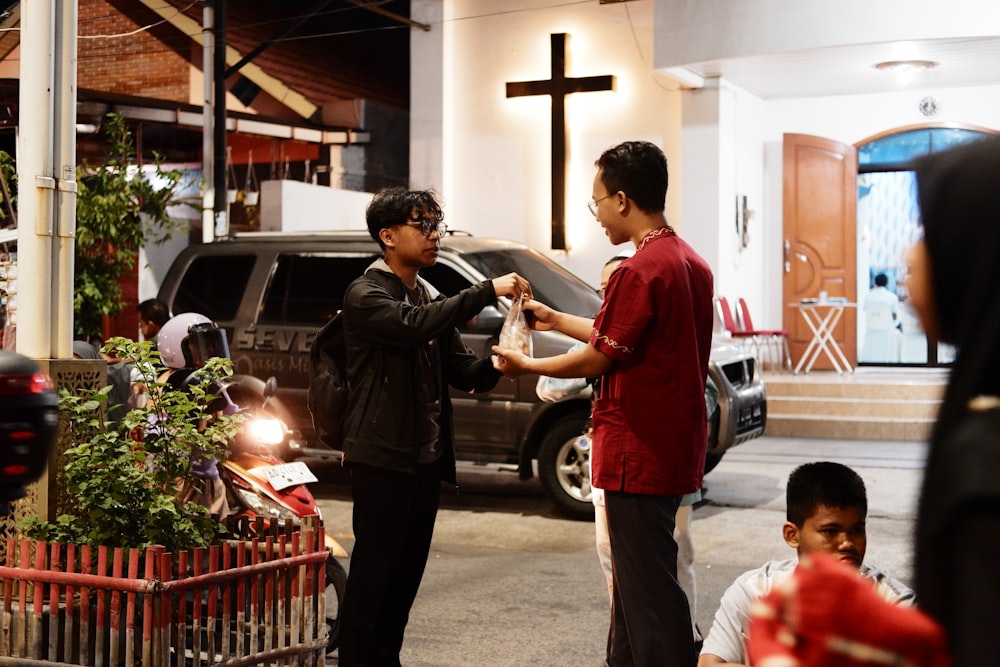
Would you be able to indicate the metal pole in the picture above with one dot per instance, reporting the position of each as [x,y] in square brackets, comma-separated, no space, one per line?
[64,105]
[208,135]
[221,165]
[37,185]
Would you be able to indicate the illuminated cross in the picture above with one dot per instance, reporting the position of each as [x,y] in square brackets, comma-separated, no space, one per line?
[559,86]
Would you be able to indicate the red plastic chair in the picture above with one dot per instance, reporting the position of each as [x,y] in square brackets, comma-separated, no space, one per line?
[778,338]
[762,343]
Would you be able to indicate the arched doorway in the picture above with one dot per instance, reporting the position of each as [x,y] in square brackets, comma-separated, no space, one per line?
[888,222]
[849,212]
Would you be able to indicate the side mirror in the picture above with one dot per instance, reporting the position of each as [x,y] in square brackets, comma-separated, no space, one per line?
[270,388]
[29,421]
[488,321]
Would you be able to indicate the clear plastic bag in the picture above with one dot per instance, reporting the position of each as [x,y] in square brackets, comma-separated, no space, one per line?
[516,334]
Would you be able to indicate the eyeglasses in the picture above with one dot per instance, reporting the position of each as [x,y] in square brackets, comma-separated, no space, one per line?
[428,227]
[592,204]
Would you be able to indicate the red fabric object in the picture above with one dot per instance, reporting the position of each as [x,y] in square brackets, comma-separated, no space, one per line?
[826,615]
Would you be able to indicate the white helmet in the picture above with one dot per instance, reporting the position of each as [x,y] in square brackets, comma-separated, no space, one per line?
[189,340]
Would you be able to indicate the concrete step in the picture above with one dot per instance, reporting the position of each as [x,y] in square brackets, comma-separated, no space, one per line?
[891,405]
[868,428]
[837,406]
[778,385]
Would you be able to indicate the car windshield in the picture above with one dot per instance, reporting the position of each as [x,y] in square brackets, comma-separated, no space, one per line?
[550,283]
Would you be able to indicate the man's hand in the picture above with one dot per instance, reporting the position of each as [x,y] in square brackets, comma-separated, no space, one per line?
[510,362]
[511,286]
[540,317]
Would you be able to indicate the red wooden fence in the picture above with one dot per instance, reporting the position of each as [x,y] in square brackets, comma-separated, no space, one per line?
[241,602]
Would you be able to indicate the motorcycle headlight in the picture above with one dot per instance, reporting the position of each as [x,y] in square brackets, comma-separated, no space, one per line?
[263,507]
[266,431]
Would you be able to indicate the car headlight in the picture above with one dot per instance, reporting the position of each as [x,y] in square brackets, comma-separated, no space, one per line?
[266,431]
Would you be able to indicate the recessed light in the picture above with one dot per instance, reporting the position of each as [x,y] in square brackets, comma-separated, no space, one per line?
[896,66]
[905,70]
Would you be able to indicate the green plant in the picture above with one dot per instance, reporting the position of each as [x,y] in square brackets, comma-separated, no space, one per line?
[125,478]
[119,209]
[8,186]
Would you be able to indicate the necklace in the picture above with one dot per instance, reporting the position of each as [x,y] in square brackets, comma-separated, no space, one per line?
[653,233]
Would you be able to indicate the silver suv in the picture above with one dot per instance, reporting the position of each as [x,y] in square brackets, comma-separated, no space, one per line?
[273,291]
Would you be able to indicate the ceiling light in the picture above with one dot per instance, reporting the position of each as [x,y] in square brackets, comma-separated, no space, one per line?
[905,69]
[906,65]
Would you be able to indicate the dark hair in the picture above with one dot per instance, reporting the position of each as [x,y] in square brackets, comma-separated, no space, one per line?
[881,280]
[639,169]
[154,310]
[822,483]
[394,206]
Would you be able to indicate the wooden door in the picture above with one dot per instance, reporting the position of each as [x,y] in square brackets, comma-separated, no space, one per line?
[820,237]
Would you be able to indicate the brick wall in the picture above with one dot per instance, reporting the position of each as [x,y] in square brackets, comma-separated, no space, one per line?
[133,64]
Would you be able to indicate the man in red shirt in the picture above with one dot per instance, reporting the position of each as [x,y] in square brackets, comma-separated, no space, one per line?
[650,344]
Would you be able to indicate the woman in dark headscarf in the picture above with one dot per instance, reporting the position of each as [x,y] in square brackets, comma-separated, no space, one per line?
[954,285]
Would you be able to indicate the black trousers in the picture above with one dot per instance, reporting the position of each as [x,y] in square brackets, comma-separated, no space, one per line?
[650,617]
[394,516]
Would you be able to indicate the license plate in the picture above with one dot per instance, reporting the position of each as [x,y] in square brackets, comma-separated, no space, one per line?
[286,475]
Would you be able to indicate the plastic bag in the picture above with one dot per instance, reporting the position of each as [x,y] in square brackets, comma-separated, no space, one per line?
[515,333]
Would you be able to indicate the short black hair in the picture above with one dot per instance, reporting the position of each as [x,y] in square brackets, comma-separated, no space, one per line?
[154,310]
[881,280]
[639,169]
[823,483]
[396,205]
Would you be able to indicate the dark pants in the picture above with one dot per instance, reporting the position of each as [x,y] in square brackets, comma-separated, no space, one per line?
[650,617]
[394,517]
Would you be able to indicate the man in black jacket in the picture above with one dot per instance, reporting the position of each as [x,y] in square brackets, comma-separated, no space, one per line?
[403,352]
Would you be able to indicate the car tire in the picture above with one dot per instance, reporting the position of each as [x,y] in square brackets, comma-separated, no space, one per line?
[564,467]
[712,460]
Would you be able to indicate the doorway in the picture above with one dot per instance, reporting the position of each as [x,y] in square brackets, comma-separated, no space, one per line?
[849,213]
[888,222]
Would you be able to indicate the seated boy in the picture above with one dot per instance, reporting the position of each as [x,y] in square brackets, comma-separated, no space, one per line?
[826,507]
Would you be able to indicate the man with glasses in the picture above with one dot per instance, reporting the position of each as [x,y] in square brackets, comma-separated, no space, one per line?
[650,345]
[403,352]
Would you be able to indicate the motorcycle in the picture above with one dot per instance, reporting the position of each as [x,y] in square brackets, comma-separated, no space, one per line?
[261,485]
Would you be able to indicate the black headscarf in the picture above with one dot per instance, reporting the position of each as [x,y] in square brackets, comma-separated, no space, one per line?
[959,194]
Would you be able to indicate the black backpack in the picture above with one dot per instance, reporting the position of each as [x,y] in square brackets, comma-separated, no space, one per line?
[327,396]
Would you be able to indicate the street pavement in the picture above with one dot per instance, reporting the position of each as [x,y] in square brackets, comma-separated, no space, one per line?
[511,582]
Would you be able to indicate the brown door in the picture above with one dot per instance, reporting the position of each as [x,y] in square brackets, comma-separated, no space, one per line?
[820,237]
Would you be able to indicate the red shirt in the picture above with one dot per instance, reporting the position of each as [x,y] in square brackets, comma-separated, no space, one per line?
[650,426]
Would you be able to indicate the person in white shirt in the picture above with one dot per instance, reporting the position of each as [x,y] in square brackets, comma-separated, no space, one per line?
[826,509]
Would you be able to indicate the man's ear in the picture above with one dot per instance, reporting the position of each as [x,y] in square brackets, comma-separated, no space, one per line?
[386,235]
[623,202]
[791,534]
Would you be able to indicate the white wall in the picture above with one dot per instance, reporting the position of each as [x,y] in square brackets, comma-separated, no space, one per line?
[694,31]
[294,206]
[850,119]
[494,175]
[489,155]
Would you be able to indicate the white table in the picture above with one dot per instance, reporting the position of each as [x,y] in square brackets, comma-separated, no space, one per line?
[822,318]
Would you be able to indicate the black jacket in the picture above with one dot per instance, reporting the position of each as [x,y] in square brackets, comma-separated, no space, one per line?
[384,334]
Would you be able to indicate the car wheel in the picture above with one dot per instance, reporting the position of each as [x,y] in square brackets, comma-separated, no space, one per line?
[336,584]
[564,467]
[712,460]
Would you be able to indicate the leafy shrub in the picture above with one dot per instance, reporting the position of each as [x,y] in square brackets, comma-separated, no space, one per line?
[127,480]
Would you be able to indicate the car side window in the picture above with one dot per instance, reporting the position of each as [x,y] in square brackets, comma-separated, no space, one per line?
[213,285]
[449,282]
[309,289]
[444,278]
